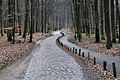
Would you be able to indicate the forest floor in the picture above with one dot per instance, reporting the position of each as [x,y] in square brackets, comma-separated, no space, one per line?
[10,52]
[89,43]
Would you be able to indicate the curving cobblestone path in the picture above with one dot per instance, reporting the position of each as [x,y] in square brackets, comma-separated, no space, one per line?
[49,62]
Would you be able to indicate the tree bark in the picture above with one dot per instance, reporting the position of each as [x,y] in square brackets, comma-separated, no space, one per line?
[14,22]
[117,18]
[113,22]
[107,24]
[102,25]
[26,18]
[97,36]
[19,17]
[42,14]
[1,17]
[32,22]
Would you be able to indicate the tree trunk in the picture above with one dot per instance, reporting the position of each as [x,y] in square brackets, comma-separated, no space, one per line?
[9,35]
[107,24]
[87,17]
[32,22]
[1,18]
[76,4]
[26,18]
[113,22]
[11,19]
[10,13]
[117,18]
[19,17]
[97,22]
[101,14]
[14,22]
[37,17]
[42,12]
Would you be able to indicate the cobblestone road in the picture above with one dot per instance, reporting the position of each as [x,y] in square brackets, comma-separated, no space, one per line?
[51,63]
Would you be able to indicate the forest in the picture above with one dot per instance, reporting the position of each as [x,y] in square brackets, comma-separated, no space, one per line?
[91,17]
[90,24]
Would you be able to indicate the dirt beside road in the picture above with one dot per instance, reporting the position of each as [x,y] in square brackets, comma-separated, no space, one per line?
[10,52]
[16,70]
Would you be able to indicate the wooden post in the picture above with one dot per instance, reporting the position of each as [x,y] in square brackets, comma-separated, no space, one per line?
[79,52]
[114,70]
[83,54]
[58,40]
[104,65]
[88,55]
[61,44]
[73,49]
[68,48]
[94,61]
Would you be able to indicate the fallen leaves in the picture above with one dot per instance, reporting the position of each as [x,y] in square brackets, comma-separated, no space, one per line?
[97,47]
[13,52]
[10,52]
[98,70]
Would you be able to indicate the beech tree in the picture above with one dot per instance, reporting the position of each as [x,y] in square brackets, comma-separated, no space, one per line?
[113,22]
[102,19]
[97,36]
[107,24]
[19,16]
[76,5]
[117,18]
[1,17]
[32,20]
[27,6]
[13,34]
